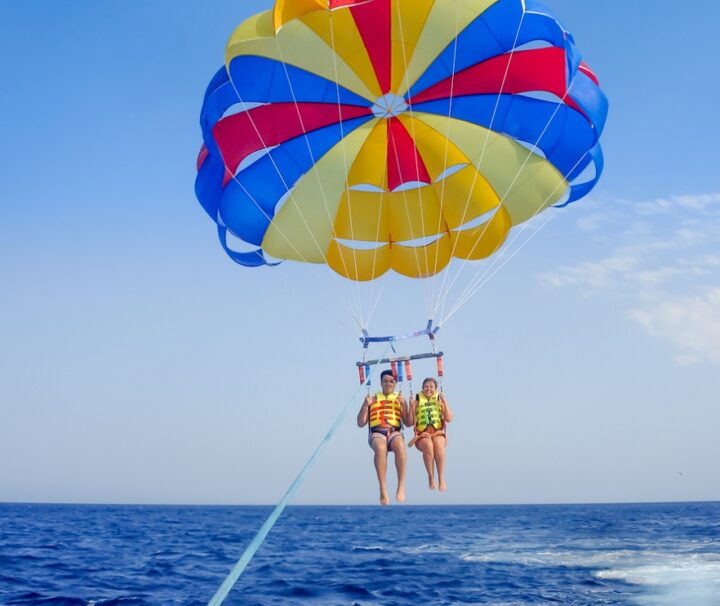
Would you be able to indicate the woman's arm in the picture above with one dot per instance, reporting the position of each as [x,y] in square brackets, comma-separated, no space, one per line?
[409,420]
[447,412]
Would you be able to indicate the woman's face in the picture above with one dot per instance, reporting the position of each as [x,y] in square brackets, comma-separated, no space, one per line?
[429,389]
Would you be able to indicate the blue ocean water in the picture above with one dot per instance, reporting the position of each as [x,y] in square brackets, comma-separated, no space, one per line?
[88,555]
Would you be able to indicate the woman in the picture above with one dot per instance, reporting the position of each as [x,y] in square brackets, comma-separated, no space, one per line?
[430,413]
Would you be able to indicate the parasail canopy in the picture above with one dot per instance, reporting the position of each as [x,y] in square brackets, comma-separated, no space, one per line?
[383,135]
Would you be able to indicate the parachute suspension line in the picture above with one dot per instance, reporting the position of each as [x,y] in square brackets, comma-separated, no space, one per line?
[384,186]
[358,299]
[502,200]
[257,541]
[445,289]
[415,248]
[374,262]
[427,283]
[355,316]
[472,287]
[374,306]
[282,179]
[485,278]
[345,163]
[516,236]
[436,295]
[332,291]
[499,261]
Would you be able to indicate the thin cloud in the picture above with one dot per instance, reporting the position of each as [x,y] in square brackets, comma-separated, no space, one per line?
[693,202]
[603,274]
[691,323]
[663,264]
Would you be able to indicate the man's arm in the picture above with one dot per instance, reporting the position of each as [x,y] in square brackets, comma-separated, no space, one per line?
[362,418]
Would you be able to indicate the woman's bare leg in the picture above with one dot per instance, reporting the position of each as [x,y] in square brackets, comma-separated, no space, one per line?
[425,446]
[439,443]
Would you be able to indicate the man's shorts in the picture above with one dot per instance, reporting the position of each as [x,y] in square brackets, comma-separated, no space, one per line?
[389,433]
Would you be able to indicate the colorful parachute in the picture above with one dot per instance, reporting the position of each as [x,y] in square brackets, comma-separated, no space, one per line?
[394,134]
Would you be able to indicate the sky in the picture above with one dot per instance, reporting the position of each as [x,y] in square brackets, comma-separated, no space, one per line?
[138,364]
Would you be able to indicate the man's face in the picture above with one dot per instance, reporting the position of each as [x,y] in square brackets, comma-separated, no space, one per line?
[388,384]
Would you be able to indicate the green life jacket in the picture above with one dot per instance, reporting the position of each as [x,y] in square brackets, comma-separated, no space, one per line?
[429,412]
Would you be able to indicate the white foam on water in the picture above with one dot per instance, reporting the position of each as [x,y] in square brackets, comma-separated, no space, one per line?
[667,578]
[551,557]
[672,579]
[426,548]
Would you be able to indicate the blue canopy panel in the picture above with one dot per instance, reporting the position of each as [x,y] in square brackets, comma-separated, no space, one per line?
[208,189]
[589,97]
[267,84]
[494,33]
[208,184]
[219,96]
[247,203]
[563,134]
[582,189]
[538,16]
[264,80]
[254,258]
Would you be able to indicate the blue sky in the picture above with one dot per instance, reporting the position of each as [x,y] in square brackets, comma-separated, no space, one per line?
[138,364]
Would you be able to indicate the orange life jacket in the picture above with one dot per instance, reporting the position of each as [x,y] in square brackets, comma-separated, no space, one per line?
[385,411]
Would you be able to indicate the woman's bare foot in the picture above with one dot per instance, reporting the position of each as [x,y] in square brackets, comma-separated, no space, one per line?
[443,486]
[431,482]
[384,499]
[400,494]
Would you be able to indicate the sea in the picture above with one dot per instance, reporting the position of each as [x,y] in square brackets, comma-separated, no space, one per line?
[100,555]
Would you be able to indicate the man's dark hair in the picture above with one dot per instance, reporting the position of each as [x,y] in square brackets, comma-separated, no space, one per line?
[386,373]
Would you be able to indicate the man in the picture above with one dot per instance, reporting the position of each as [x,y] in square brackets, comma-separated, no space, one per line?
[384,414]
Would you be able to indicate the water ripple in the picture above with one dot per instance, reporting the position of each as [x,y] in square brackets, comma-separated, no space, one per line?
[623,555]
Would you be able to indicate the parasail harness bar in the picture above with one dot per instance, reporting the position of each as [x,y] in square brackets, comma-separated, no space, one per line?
[398,364]
[429,330]
[438,354]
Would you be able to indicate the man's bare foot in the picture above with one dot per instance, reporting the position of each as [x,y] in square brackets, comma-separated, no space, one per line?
[431,482]
[384,499]
[443,486]
[400,494]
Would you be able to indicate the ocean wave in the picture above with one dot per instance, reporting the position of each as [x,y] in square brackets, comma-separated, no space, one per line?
[541,557]
[494,556]
[668,569]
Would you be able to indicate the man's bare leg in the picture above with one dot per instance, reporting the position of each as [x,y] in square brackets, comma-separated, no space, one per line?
[379,446]
[439,444]
[398,448]
[425,446]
